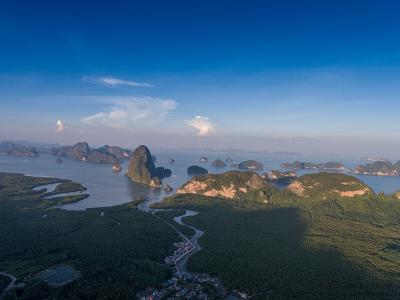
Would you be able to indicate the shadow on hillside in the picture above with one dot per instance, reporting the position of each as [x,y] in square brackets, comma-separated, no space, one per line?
[263,252]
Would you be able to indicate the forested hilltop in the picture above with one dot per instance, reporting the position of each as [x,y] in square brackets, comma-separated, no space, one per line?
[321,244]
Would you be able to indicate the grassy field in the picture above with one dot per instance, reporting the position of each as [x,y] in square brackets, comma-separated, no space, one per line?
[117,252]
[296,248]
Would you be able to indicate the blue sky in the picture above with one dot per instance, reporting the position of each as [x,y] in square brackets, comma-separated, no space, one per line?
[200,73]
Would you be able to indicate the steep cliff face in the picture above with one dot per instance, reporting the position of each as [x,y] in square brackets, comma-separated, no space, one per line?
[230,185]
[142,169]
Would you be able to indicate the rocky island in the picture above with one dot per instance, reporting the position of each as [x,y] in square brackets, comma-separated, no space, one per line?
[106,154]
[229,160]
[203,159]
[196,170]
[21,151]
[329,166]
[142,169]
[219,163]
[250,165]
[120,153]
[379,168]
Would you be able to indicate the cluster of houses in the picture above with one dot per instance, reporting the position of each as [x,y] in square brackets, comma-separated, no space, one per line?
[189,286]
[182,248]
[184,285]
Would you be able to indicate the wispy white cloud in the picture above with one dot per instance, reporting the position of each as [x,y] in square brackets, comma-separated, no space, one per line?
[60,127]
[110,81]
[132,112]
[202,124]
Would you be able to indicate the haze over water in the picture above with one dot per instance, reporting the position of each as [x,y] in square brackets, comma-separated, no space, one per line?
[107,188]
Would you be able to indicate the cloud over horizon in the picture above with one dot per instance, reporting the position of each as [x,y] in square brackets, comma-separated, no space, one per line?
[136,111]
[110,81]
[202,124]
[60,127]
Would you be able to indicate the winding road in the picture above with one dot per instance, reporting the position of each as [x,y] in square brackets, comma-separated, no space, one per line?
[182,261]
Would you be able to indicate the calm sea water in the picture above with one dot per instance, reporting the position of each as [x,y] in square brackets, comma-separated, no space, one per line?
[107,188]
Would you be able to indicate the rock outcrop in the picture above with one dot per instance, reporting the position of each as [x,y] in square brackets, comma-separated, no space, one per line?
[250,165]
[219,163]
[325,185]
[142,169]
[196,170]
[230,185]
